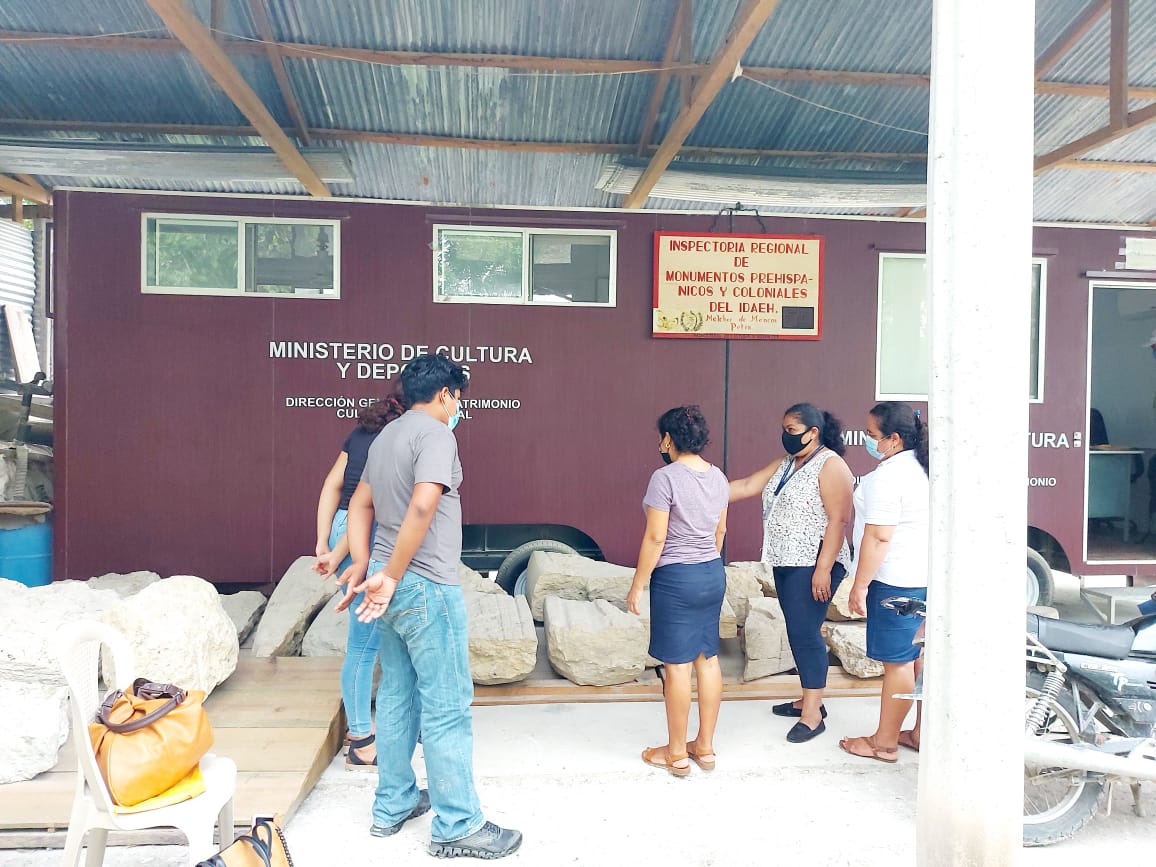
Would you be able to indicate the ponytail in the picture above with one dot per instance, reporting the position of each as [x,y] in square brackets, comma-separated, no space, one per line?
[920,445]
[373,418]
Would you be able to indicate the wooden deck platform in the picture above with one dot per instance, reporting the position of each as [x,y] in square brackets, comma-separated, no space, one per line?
[282,722]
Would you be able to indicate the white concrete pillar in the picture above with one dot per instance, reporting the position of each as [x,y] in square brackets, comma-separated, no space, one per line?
[979,246]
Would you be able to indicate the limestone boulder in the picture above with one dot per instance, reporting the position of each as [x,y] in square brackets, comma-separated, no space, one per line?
[244,609]
[33,728]
[124,585]
[593,643]
[300,594]
[179,633]
[728,624]
[329,631]
[840,610]
[503,641]
[756,571]
[765,644]
[848,641]
[572,576]
[477,582]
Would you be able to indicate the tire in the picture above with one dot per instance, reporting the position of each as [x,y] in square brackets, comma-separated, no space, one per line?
[1085,794]
[1039,569]
[515,563]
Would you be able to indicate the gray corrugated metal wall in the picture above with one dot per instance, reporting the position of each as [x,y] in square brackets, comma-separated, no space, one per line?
[17,282]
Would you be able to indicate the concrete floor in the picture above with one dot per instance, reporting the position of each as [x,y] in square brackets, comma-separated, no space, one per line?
[570,778]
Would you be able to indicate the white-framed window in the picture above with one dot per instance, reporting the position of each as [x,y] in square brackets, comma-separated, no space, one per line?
[197,254]
[903,360]
[508,265]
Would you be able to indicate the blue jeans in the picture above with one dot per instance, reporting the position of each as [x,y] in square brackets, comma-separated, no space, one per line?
[360,654]
[426,685]
[804,617]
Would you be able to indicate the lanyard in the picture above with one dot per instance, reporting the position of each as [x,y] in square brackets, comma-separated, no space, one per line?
[792,470]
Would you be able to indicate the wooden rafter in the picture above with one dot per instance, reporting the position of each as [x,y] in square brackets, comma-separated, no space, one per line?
[17,189]
[416,140]
[217,19]
[30,181]
[1133,121]
[681,13]
[1071,35]
[192,33]
[1107,166]
[681,68]
[687,82]
[1118,66]
[280,72]
[747,24]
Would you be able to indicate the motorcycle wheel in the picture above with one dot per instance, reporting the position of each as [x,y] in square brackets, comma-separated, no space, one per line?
[1057,802]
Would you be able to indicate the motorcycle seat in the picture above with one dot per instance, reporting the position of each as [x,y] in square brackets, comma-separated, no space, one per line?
[1062,636]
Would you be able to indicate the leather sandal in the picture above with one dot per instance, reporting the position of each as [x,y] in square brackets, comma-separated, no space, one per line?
[907,739]
[704,760]
[876,753]
[354,762]
[658,757]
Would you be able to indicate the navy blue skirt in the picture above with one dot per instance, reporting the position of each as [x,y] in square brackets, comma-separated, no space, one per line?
[685,602]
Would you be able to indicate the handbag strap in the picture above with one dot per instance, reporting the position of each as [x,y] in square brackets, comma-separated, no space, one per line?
[145,689]
[253,842]
[271,828]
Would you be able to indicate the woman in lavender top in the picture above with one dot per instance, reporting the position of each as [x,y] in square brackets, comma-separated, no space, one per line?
[686,520]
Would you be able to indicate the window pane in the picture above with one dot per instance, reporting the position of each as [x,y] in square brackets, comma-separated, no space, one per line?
[193,255]
[289,258]
[1034,380]
[479,265]
[904,356]
[570,268]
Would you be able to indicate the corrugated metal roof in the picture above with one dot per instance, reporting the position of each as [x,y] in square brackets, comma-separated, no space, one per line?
[55,82]
[17,282]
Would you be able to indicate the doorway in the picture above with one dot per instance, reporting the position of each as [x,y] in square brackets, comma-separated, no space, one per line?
[1120,494]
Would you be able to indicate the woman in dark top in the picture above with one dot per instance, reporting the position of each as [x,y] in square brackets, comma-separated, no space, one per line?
[686,520]
[333,557]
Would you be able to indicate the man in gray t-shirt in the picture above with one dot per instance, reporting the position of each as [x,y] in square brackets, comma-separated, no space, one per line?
[410,586]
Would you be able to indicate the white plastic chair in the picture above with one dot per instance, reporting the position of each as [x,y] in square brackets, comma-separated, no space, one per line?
[78,650]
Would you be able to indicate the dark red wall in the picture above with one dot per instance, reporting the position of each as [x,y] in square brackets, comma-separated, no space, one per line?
[175,451]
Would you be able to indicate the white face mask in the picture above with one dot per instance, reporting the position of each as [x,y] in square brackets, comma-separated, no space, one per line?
[457,416]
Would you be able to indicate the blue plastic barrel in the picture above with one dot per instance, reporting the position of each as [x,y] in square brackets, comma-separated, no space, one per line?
[26,554]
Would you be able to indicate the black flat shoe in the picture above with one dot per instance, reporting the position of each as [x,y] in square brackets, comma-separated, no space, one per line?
[788,708]
[800,733]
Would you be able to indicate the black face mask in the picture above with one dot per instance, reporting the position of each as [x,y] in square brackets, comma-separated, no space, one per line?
[793,443]
[666,458]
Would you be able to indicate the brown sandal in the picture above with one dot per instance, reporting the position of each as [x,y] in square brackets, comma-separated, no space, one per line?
[658,757]
[703,760]
[876,753]
[907,739]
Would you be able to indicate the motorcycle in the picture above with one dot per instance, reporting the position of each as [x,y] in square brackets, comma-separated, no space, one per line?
[1090,699]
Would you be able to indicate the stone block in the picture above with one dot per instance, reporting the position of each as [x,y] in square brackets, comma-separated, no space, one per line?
[742,586]
[328,634]
[759,572]
[765,644]
[571,576]
[848,641]
[593,643]
[126,584]
[300,594]
[728,625]
[179,633]
[839,610]
[33,728]
[503,641]
[244,609]
[477,582]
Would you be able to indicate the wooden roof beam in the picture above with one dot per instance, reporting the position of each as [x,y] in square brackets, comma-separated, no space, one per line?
[18,189]
[748,22]
[1071,35]
[197,39]
[672,47]
[1118,66]
[1133,121]
[280,72]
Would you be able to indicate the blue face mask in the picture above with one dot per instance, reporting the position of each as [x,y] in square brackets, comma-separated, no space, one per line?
[872,447]
[457,416]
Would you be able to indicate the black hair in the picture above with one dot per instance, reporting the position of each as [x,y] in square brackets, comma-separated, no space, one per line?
[426,375]
[687,428]
[376,416]
[830,428]
[895,417]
